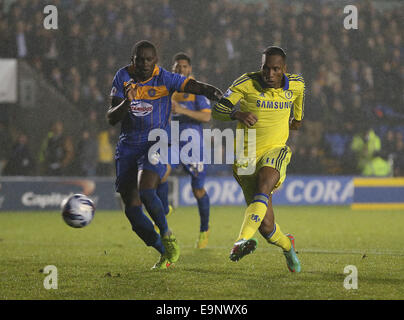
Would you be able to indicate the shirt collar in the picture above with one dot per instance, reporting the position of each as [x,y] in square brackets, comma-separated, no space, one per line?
[286,79]
[156,72]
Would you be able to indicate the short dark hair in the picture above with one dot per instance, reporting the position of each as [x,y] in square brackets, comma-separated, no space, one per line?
[274,50]
[142,45]
[182,56]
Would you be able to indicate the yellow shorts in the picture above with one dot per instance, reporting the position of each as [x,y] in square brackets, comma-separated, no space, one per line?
[277,158]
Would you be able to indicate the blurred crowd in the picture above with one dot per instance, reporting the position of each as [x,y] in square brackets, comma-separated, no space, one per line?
[354,78]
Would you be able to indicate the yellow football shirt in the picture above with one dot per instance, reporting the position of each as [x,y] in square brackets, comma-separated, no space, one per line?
[271,106]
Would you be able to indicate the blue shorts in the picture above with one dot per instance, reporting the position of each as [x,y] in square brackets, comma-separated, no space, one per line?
[129,159]
[197,171]
[195,168]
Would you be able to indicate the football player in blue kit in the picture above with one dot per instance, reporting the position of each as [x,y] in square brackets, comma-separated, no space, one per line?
[141,100]
[191,111]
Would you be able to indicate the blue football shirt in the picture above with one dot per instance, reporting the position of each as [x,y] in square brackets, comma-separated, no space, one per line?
[151,107]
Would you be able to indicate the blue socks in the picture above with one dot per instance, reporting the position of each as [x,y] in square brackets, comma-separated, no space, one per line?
[155,208]
[162,192]
[144,228]
[203,206]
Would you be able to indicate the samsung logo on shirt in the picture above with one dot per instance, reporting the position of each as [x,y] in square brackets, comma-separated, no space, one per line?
[274,105]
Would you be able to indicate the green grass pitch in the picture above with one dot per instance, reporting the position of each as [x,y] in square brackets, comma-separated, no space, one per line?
[106,260]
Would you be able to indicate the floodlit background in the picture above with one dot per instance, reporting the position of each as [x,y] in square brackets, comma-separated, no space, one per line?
[354,78]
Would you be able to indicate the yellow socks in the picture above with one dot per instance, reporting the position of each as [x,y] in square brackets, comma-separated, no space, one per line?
[279,239]
[254,214]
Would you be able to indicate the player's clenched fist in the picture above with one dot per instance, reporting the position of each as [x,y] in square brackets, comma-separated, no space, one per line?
[130,90]
[247,118]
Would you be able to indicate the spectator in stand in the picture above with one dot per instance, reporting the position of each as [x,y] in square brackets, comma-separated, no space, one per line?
[57,152]
[21,39]
[367,146]
[20,161]
[5,139]
[399,158]
[299,164]
[106,141]
[314,161]
[87,148]
[389,144]
[348,64]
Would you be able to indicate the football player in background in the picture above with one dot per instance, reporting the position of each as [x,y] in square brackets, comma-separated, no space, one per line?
[266,99]
[141,101]
[191,111]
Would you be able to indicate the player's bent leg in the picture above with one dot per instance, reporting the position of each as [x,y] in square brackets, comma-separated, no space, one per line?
[202,199]
[254,213]
[197,171]
[267,178]
[273,234]
[162,193]
[267,224]
[148,195]
[162,190]
[253,216]
[148,183]
[140,223]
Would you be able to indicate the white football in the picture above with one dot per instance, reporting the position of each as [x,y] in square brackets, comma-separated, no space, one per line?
[78,210]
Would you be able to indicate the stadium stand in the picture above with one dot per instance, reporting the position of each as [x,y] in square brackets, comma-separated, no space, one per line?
[342,68]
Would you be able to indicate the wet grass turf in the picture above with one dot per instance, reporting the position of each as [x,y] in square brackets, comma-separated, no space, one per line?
[106,260]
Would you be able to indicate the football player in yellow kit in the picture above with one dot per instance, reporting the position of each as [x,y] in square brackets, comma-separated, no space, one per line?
[266,99]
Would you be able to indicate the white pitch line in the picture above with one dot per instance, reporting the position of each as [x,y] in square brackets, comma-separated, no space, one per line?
[363,251]
[310,250]
[264,247]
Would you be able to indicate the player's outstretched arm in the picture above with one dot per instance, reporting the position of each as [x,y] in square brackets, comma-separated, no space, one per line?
[200,88]
[225,111]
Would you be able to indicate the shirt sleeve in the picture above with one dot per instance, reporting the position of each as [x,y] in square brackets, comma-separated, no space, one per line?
[174,81]
[117,87]
[298,104]
[224,109]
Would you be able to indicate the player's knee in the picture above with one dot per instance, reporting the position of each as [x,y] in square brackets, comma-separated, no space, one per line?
[267,179]
[149,180]
[131,198]
[198,193]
